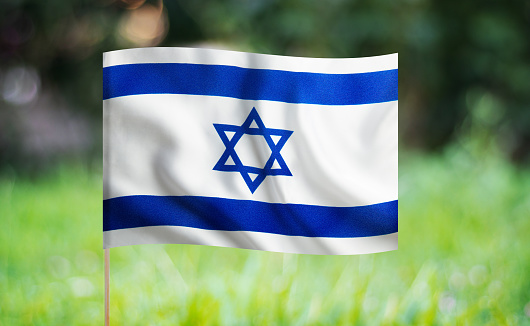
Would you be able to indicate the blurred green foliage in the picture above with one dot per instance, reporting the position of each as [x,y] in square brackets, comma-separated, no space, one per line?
[462,64]
[463,259]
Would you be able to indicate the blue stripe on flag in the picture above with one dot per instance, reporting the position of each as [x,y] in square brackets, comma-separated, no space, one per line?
[250,84]
[245,215]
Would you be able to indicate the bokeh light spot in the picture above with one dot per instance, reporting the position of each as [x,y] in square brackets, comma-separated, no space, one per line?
[20,85]
[59,266]
[80,286]
[145,26]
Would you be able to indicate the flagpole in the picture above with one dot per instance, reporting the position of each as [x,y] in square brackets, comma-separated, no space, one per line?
[107,289]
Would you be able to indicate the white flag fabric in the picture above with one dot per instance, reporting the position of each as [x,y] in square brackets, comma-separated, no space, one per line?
[244,150]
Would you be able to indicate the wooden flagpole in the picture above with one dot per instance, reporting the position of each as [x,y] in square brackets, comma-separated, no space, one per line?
[107,283]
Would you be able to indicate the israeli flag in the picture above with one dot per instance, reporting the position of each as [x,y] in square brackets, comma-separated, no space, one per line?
[244,150]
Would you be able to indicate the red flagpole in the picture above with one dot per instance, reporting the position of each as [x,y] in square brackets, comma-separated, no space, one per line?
[107,289]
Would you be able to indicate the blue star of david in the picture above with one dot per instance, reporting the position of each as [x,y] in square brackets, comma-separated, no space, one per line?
[230,152]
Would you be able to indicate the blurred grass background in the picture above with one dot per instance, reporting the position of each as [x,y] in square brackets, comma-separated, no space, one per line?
[463,259]
[464,256]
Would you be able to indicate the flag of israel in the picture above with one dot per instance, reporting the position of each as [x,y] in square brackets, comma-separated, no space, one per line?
[243,150]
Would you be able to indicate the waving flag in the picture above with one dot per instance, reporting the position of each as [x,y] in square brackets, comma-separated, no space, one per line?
[244,150]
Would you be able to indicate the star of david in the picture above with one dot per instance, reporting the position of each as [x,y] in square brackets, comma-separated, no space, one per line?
[258,174]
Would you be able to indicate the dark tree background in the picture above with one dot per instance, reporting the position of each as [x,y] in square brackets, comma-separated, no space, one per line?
[464,65]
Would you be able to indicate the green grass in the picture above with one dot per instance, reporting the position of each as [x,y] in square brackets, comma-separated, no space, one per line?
[463,259]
